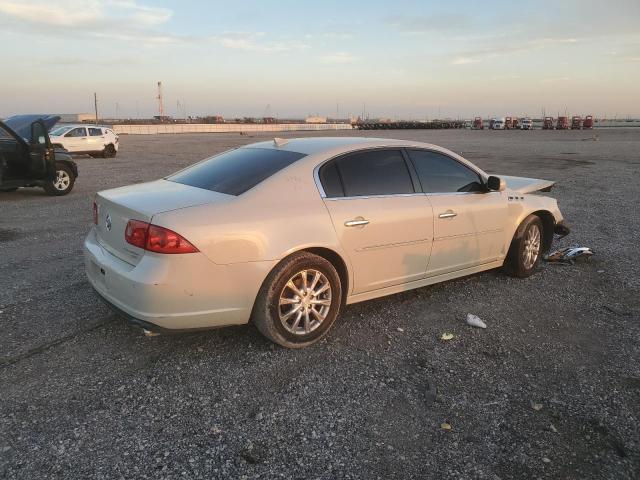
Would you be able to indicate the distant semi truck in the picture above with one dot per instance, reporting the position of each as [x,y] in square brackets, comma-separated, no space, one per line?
[478,123]
[497,123]
[562,123]
[588,122]
[547,123]
[526,124]
[576,122]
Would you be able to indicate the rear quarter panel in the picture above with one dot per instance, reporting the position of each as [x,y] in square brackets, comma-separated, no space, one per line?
[281,215]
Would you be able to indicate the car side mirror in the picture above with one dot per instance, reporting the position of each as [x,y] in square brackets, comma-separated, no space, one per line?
[496,184]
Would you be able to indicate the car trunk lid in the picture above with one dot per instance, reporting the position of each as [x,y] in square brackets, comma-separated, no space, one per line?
[141,202]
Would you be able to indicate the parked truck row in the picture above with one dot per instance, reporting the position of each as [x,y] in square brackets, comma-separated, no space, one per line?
[525,123]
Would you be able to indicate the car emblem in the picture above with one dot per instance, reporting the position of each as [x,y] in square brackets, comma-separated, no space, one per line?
[107,222]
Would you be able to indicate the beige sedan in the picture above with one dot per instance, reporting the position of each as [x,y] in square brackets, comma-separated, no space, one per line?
[283,233]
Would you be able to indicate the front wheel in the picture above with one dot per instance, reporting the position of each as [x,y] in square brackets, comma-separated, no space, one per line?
[525,251]
[63,181]
[299,301]
[109,151]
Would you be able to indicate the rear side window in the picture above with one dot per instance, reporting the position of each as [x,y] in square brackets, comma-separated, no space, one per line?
[236,171]
[375,172]
[77,132]
[439,173]
[95,132]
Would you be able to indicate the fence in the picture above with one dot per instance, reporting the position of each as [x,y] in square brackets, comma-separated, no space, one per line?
[226,128]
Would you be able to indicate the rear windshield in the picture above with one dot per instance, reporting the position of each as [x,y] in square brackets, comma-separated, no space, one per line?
[236,171]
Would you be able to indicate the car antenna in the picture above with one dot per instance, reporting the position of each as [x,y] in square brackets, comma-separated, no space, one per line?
[279,142]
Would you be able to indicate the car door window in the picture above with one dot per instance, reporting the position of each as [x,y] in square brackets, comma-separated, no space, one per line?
[77,132]
[375,172]
[95,132]
[439,173]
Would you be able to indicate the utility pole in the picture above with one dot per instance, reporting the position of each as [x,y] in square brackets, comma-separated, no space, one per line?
[160,105]
[95,104]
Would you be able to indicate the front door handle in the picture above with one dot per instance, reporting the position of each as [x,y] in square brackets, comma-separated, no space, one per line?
[356,222]
[447,214]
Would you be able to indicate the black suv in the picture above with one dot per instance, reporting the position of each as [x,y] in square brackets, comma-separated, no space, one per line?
[27,158]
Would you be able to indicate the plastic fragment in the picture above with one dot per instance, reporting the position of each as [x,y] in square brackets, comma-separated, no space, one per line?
[475,321]
[536,406]
[446,336]
[445,426]
[569,254]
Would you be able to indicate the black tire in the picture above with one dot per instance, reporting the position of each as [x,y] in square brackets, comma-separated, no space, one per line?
[109,151]
[517,264]
[267,310]
[58,188]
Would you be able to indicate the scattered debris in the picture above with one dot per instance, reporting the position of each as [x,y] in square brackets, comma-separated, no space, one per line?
[445,426]
[446,336]
[593,138]
[536,406]
[546,460]
[569,254]
[475,321]
[149,333]
[400,329]
[553,428]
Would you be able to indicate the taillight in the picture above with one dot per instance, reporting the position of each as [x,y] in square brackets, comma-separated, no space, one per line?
[136,233]
[156,239]
[95,213]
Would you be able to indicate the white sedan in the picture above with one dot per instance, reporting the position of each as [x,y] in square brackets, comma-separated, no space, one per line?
[283,233]
[86,139]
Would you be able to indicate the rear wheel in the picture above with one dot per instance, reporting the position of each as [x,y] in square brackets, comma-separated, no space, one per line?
[525,251]
[63,181]
[299,301]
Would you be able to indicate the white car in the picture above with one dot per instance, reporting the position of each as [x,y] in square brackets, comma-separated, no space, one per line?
[86,139]
[284,233]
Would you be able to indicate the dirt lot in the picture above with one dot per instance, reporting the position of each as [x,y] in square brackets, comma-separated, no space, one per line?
[84,395]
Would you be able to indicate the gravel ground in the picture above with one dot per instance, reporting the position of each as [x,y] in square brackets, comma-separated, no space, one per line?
[551,389]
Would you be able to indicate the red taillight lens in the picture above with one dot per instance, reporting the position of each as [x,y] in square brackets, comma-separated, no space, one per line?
[156,239]
[95,213]
[136,233]
[163,240]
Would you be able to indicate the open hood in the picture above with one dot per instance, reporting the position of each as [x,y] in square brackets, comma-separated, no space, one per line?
[527,185]
[21,124]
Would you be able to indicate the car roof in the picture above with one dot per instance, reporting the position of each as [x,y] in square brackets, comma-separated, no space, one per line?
[315,145]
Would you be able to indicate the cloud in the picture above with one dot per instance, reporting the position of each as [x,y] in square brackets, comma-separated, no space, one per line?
[432,23]
[254,42]
[114,19]
[481,55]
[338,58]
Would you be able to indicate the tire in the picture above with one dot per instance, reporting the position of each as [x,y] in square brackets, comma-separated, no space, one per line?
[109,151]
[525,251]
[277,322]
[63,183]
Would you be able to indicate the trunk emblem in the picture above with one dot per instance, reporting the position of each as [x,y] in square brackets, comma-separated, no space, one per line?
[107,222]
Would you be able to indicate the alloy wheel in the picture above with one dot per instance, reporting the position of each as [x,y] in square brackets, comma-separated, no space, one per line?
[531,246]
[305,302]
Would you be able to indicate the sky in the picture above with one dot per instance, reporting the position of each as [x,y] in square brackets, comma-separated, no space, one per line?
[395,59]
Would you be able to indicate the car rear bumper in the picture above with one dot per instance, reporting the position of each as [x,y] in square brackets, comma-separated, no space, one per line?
[174,292]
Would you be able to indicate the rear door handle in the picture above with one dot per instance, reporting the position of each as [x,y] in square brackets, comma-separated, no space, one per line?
[356,223]
[447,214]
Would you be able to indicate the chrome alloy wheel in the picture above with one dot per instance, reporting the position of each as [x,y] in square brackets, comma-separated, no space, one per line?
[304,302]
[531,246]
[62,180]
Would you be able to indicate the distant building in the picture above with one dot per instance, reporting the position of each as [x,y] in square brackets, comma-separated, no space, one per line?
[77,117]
[316,120]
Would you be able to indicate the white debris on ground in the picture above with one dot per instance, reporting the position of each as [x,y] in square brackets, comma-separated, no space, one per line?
[475,321]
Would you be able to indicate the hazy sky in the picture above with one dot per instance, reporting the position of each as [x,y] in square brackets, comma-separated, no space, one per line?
[412,59]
